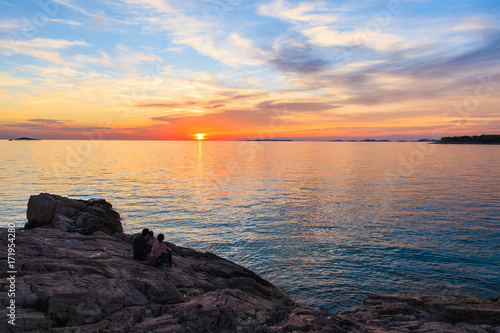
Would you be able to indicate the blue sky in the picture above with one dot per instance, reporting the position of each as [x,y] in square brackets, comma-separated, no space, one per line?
[157,69]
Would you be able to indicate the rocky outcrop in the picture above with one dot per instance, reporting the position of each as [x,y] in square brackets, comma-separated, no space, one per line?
[68,282]
[72,215]
[425,313]
[402,313]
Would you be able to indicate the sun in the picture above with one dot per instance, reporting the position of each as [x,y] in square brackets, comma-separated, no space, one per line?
[200,136]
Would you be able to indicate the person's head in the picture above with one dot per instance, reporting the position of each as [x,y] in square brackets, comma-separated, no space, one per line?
[145,232]
[160,238]
[151,233]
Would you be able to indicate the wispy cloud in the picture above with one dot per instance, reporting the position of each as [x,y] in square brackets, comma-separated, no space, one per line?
[165,105]
[205,34]
[46,43]
[50,122]
[66,22]
[477,22]
[316,12]
[40,48]
[297,107]
[72,5]
[214,106]
[9,25]
[7,80]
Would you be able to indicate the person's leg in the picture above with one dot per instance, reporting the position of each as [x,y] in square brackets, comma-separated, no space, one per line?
[166,257]
[169,258]
[144,253]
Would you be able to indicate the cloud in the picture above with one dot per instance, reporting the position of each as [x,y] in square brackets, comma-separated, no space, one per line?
[72,5]
[46,43]
[41,48]
[203,33]
[409,75]
[215,106]
[163,119]
[7,80]
[9,25]
[294,54]
[98,19]
[296,107]
[44,124]
[221,120]
[166,105]
[104,59]
[55,126]
[332,36]
[49,122]
[486,55]
[478,22]
[67,22]
[304,12]
[232,50]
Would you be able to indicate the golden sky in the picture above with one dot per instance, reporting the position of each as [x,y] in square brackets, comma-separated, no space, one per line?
[235,69]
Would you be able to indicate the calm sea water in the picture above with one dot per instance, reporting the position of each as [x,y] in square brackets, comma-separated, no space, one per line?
[328,222]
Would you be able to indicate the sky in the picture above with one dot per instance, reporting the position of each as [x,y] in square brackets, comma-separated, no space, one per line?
[237,69]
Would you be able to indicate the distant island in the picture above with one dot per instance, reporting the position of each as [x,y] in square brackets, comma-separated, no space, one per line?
[427,140]
[373,140]
[24,138]
[269,140]
[492,139]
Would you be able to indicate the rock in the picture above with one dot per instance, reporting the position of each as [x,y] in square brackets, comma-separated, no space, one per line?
[426,313]
[72,215]
[69,282]
[307,319]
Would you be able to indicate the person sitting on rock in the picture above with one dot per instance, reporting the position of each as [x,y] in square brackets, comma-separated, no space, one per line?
[141,246]
[162,252]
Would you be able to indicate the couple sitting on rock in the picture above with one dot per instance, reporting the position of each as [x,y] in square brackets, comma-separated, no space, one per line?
[146,247]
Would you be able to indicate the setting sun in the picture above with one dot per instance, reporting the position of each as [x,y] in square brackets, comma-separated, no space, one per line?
[200,136]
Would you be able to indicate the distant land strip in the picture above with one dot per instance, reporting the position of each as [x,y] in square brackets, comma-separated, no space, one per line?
[492,139]
[338,140]
[23,138]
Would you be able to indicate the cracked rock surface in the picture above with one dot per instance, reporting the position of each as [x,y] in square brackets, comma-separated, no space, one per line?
[68,282]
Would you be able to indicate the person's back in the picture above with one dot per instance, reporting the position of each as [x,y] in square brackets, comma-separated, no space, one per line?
[139,245]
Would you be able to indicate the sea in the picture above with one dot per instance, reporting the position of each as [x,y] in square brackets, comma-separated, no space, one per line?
[327,222]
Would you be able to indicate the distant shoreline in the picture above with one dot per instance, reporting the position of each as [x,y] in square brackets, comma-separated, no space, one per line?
[471,140]
[466,143]
[474,140]
[24,139]
[238,140]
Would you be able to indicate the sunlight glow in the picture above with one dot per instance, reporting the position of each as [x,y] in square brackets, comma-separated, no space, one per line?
[238,77]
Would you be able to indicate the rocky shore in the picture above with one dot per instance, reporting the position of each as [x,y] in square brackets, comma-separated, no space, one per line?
[75,273]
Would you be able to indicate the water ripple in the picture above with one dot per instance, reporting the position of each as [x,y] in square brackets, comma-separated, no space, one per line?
[328,222]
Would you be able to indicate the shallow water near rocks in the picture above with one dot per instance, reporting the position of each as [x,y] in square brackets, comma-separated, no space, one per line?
[328,222]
